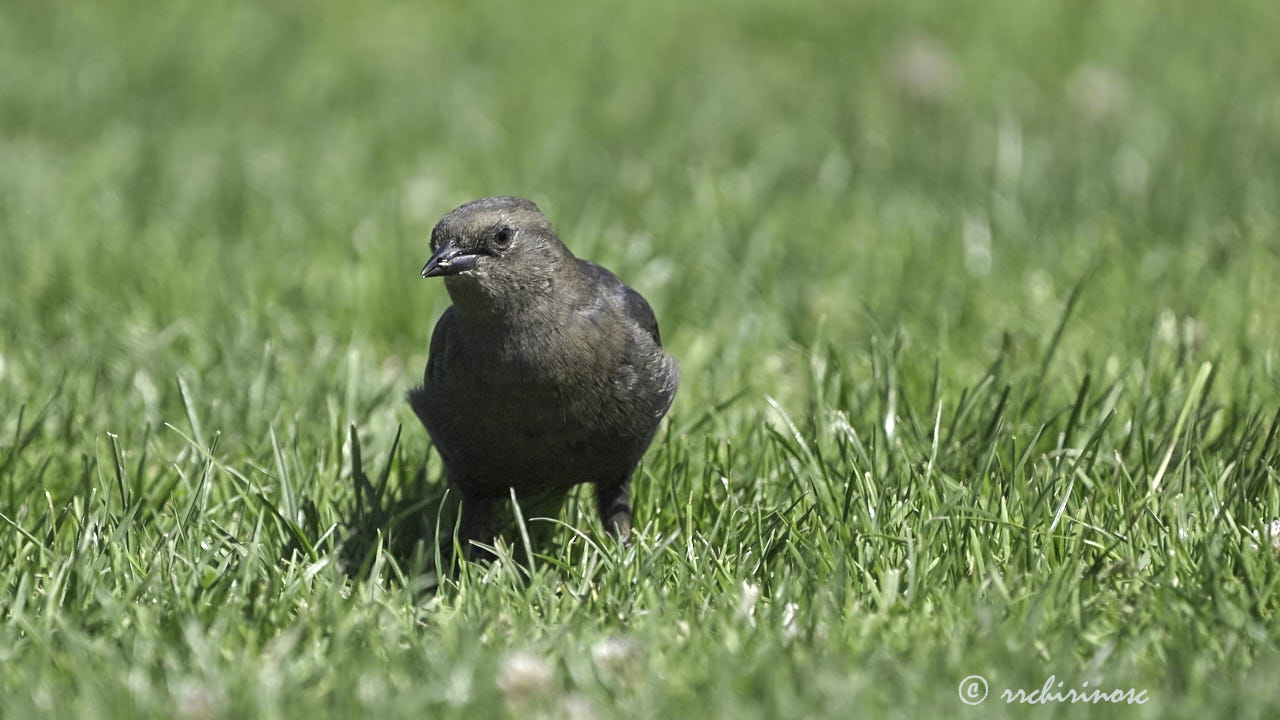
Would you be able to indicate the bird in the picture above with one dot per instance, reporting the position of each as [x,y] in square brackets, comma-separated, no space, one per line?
[546,371]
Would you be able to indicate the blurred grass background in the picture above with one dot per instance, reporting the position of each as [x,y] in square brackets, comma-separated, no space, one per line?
[892,197]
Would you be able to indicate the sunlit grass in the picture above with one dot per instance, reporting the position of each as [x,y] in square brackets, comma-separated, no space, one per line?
[975,309]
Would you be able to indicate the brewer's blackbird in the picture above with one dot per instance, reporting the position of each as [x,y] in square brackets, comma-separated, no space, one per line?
[546,371]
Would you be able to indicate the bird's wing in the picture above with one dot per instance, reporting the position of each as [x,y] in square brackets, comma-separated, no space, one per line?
[633,304]
[440,344]
[417,398]
[419,395]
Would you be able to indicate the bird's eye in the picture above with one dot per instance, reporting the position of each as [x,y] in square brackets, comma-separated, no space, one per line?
[503,237]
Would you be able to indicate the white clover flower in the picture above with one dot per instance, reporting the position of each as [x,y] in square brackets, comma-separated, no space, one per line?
[747,602]
[523,676]
[923,71]
[194,700]
[1270,532]
[614,655]
[789,629]
[1098,93]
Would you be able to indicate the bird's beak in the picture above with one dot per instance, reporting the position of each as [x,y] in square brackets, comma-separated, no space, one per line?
[448,259]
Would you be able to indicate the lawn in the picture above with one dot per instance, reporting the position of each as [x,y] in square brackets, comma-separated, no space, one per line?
[976,306]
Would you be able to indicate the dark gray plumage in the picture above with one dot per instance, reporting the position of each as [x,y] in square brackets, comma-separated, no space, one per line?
[546,371]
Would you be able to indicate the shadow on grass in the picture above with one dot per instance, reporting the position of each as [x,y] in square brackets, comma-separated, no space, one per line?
[406,526]
[406,523]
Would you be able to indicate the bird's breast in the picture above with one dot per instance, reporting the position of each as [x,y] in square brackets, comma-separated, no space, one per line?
[560,404]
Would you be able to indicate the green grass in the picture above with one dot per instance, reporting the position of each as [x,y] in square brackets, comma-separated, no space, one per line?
[976,307]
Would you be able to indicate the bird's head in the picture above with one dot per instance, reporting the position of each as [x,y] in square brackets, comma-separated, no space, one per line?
[494,253]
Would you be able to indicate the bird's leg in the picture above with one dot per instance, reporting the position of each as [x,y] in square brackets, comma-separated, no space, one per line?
[614,500]
[479,524]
